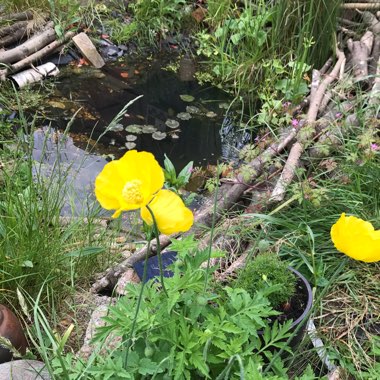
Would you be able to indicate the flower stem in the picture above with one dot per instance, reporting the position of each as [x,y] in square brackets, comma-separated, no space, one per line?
[156,232]
[143,280]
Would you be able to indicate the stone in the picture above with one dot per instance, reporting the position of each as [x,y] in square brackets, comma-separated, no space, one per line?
[24,370]
[97,321]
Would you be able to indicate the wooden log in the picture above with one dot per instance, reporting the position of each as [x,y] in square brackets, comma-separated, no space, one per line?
[85,45]
[35,56]
[360,51]
[12,38]
[17,16]
[13,28]
[28,47]
[361,5]
[292,162]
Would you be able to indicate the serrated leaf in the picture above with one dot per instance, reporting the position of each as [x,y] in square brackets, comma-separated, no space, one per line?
[147,367]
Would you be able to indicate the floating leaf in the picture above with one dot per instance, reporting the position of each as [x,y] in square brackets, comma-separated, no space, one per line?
[134,128]
[184,116]
[149,128]
[224,106]
[192,109]
[172,123]
[187,98]
[116,128]
[130,145]
[131,138]
[211,114]
[158,135]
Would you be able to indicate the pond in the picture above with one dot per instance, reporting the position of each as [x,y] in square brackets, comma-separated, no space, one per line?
[174,116]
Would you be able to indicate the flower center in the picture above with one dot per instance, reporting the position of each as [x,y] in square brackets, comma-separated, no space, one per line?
[132,192]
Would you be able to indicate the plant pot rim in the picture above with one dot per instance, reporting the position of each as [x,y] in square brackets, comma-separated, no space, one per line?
[309,298]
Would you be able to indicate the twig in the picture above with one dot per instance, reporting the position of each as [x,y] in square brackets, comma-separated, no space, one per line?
[297,149]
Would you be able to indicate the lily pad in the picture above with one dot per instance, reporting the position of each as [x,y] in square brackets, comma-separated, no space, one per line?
[192,109]
[187,98]
[130,145]
[172,123]
[134,128]
[211,114]
[184,116]
[131,138]
[158,135]
[116,128]
[149,128]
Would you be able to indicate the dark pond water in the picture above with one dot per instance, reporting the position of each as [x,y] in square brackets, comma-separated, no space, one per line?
[102,94]
[195,130]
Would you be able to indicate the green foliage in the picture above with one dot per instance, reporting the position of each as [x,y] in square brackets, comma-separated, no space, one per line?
[155,18]
[173,180]
[191,332]
[267,270]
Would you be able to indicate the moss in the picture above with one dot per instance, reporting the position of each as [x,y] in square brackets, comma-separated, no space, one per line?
[264,271]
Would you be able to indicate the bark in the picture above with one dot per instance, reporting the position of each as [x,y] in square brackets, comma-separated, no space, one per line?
[360,51]
[375,5]
[13,28]
[292,162]
[17,16]
[18,35]
[36,56]
[28,47]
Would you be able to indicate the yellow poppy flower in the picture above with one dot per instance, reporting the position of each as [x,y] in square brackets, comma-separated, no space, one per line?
[170,213]
[135,181]
[356,238]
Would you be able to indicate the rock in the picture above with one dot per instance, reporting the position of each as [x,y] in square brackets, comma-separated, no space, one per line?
[24,370]
[95,322]
[11,329]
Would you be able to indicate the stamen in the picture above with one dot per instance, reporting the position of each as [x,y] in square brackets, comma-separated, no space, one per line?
[132,192]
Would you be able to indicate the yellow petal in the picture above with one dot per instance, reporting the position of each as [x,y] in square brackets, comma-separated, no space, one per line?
[170,212]
[129,183]
[356,238]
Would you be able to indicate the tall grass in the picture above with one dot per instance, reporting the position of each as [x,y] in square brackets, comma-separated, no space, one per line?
[35,247]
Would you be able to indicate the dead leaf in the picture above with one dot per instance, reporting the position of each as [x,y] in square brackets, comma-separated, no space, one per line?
[199,14]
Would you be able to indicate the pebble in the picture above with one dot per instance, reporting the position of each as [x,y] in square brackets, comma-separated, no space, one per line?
[24,370]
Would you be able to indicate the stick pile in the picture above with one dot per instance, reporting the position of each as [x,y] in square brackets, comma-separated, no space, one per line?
[26,38]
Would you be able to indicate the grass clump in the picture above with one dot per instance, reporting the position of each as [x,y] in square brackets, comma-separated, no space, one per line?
[267,270]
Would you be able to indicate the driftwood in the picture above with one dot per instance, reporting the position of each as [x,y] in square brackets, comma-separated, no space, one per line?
[29,47]
[50,48]
[297,149]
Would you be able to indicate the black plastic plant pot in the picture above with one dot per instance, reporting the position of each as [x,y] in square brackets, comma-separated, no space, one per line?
[304,296]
